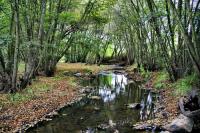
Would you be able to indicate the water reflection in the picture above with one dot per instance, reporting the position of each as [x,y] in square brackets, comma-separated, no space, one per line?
[146,111]
[116,84]
[106,94]
[94,115]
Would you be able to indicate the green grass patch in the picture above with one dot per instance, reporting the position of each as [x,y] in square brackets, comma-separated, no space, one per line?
[29,93]
[72,81]
[145,73]
[25,95]
[58,77]
[43,87]
[184,85]
[159,81]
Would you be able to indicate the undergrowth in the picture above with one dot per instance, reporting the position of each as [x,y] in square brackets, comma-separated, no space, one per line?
[181,87]
[184,85]
[29,93]
[160,80]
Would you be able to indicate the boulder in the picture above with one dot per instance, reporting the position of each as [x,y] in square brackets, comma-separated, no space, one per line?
[131,82]
[86,89]
[146,127]
[95,97]
[78,74]
[164,132]
[180,124]
[134,106]
[141,127]
[103,126]
[96,108]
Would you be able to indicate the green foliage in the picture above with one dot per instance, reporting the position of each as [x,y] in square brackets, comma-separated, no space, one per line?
[99,19]
[160,80]
[109,51]
[69,17]
[182,86]
[144,73]
[21,67]
[5,40]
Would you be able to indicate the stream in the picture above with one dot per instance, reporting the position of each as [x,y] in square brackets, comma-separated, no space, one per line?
[104,110]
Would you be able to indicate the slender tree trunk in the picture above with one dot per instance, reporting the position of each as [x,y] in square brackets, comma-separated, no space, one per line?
[41,28]
[17,42]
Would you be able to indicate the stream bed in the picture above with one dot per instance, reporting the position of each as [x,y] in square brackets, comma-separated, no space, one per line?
[104,110]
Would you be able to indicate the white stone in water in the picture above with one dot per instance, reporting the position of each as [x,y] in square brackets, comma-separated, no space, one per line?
[133,105]
[95,97]
[164,132]
[131,81]
[77,74]
[111,123]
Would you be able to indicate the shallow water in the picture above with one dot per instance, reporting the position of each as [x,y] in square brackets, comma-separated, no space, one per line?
[104,111]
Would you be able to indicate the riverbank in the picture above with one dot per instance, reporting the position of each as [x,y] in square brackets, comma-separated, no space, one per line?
[43,98]
[166,108]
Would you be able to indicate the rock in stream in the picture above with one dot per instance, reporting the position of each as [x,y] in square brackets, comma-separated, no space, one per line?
[180,124]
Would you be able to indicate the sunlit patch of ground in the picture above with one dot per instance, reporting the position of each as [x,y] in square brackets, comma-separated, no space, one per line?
[80,67]
[45,95]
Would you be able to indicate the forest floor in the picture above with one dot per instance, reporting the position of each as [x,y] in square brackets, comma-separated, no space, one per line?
[43,98]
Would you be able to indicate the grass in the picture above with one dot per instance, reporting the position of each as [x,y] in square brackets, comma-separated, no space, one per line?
[160,79]
[184,85]
[38,88]
[180,87]
[30,92]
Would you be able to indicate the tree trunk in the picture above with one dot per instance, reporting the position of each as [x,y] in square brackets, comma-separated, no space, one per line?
[17,42]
